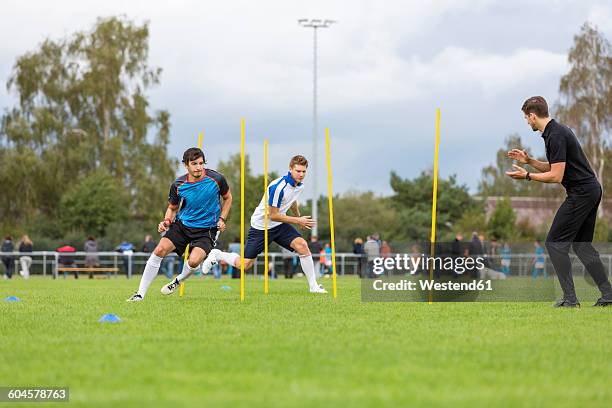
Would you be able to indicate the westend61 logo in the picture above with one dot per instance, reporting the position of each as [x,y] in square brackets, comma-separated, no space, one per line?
[422,277]
[414,264]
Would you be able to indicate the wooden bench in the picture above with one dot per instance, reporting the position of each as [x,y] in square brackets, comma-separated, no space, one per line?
[89,270]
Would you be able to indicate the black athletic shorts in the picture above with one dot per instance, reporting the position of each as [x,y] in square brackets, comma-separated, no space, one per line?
[282,234]
[180,235]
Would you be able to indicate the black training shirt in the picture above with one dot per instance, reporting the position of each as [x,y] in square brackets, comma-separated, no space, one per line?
[563,146]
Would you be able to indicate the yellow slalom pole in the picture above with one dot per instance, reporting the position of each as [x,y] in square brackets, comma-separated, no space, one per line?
[242,211]
[331,212]
[434,201]
[182,284]
[200,141]
[266,284]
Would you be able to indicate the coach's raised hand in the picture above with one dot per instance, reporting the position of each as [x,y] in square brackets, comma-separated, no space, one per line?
[519,155]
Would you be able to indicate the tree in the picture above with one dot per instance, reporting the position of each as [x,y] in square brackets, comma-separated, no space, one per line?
[93,203]
[83,108]
[586,95]
[412,201]
[253,191]
[501,223]
[357,215]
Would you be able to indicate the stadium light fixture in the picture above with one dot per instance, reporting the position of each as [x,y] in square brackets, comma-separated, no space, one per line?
[315,24]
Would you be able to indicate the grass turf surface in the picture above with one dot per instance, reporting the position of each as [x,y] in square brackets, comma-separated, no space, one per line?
[292,348]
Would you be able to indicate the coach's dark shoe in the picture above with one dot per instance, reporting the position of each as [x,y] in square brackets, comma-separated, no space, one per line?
[603,302]
[566,303]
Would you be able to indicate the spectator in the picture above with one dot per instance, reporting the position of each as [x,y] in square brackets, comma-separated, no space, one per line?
[385,249]
[127,249]
[494,253]
[288,266]
[25,246]
[506,259]
[322,262]
[149,245]
[457,250]
[91,259]
[315,250]
[66,261]
[8,260]
[328,257]
[167,265]
[476,250]
[415,256]
[538,261]
[358,250]
[371,250]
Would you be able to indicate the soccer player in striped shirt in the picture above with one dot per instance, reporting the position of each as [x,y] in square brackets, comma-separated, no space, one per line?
[283,194]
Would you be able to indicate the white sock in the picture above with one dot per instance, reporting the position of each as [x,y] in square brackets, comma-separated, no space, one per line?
[149,274]
[228,257]
[187,271]
[308,268]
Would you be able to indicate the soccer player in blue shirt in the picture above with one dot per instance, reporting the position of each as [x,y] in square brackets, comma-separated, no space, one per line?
[193,217]
[283,194]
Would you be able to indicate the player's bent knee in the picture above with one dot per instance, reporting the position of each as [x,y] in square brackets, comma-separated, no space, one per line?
[300,246]
[160,251]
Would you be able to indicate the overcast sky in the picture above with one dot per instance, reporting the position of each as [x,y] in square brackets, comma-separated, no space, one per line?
[384,68]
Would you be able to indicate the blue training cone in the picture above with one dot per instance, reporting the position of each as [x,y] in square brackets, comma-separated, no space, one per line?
[12,299]
[225,287]
[109,318]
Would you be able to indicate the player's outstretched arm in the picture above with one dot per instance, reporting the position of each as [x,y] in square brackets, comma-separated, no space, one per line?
[225,209]
[303,221]
[295,209]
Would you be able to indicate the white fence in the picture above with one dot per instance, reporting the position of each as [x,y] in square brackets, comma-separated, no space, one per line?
[46,263]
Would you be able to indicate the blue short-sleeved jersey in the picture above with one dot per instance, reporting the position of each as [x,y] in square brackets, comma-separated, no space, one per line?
[201,200]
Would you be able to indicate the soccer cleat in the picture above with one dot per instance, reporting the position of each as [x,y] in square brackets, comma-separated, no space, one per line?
[318,289]
[601,302]
[170,287]
[135,298]
[567,303]
[210,261]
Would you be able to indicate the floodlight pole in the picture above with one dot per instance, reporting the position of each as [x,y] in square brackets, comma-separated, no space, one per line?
[315,24]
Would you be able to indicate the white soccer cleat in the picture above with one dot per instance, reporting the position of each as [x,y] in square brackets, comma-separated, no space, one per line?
[170,287]
[318,289]
[210,261]
[135,298]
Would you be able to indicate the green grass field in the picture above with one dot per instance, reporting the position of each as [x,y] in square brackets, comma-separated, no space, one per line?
[291,348]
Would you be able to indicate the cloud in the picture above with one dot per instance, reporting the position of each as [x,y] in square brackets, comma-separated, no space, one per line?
[383,69]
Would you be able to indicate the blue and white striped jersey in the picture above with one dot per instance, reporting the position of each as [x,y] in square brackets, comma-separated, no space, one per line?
[282,193]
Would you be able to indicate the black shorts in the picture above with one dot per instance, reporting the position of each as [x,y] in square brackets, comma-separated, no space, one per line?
[180,235]
[282,234]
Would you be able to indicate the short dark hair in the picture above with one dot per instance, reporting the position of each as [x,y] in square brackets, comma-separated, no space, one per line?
[537,105]
[298,160]
[193,153]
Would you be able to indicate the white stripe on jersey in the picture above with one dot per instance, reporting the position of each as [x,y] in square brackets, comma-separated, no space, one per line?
[282,193]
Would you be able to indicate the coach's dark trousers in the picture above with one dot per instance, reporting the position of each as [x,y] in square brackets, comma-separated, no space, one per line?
[573,226]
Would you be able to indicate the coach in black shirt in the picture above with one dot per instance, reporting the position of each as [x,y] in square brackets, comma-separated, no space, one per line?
[574,222]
